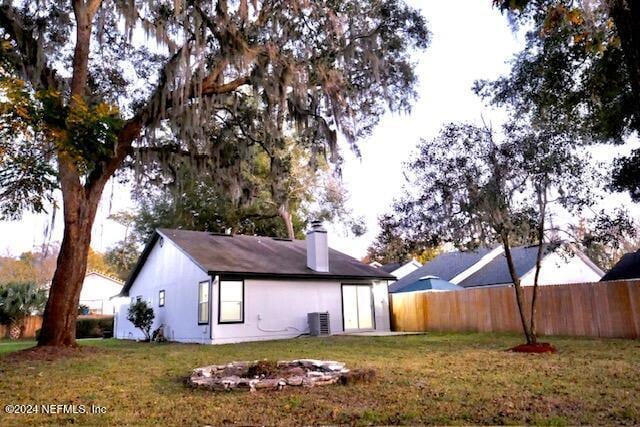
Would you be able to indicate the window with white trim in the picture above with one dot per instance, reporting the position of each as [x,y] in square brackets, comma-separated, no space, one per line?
[231,301]
[203,303]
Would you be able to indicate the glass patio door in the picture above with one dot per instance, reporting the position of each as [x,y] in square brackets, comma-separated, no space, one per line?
[357,307]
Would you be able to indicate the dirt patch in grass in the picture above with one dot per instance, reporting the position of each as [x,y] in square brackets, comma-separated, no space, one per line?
[541,347]
[358,376]
[50,353]
[268,369]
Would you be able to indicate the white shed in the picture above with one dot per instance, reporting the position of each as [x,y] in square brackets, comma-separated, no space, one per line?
[216,288]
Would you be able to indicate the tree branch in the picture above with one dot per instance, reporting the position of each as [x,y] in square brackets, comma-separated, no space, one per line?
[174,149]
[12,23]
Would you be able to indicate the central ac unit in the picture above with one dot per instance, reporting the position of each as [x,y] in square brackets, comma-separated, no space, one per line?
[319,324]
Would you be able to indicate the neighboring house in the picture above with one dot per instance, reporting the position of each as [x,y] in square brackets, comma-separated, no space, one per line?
[398,269]
[488,267]
[427,283]
[216,288]
[97,291]
[627,268]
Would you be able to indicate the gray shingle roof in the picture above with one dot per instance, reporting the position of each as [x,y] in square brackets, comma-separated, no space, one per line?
[445,266]
[496,272]
[627,268]
[431,283]
[254,256]
[391,267]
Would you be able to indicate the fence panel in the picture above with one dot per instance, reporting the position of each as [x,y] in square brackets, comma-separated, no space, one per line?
[602,309]
[31,325]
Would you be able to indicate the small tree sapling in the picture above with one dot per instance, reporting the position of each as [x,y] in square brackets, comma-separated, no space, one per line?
[141,315]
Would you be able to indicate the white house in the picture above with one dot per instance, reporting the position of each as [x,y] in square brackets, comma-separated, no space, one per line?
[487,267]
[217,288]
[97,291]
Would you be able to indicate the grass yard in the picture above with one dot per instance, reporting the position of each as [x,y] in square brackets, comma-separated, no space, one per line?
[434,379]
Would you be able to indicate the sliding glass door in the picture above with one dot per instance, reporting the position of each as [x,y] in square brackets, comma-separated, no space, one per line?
[357,307]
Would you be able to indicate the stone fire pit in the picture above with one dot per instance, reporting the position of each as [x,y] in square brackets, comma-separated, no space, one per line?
[271,375]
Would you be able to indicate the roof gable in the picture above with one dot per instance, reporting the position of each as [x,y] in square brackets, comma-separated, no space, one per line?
[104,276]
[496,272]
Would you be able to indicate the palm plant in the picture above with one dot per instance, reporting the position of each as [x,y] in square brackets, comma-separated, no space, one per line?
[17,301]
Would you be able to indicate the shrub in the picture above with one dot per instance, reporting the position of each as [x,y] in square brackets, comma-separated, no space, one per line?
[93,327]
[141,315]
[17,301]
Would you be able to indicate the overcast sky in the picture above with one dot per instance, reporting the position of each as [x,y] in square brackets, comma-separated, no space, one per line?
[470,41]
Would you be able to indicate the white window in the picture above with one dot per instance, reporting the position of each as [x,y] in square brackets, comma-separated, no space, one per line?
[161,298]
[203,303]
[231,301]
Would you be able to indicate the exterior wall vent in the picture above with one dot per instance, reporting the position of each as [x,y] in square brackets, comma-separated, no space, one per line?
[319,324]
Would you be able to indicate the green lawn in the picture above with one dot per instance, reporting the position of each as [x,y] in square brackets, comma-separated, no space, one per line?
[7,346]
[434,378]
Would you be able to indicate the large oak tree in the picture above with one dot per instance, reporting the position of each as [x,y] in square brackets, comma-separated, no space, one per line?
[579,73]
[88,84]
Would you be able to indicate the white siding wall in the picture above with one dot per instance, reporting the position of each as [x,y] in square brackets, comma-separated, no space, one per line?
[97,291]
[562,269]
[168,268]
[283,307]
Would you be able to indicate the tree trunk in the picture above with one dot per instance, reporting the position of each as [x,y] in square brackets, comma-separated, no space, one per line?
[542,205]
[518,289]
[626,16]
[15,330]
[284,213]
[80,206]
[534,298]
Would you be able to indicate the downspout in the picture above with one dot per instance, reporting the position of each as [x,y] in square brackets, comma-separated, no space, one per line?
[390,308]
[211,282]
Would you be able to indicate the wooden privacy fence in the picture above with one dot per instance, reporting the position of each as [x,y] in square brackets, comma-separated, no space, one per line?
[31,325]
[602,309]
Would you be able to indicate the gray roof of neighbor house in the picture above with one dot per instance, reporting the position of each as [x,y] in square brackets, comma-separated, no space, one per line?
[496,272]
[429,283]
[256,257]
[391,267]
[446,266]
[627,268]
